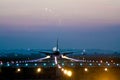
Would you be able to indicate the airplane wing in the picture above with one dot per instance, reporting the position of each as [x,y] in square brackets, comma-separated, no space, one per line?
[66,53]
[72,59]
[46,53]
[38,60]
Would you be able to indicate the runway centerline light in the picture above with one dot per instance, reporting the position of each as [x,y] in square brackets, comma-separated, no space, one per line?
[69,73]
[18,70]
[86,69]
[62,69]
[38,70]
[106,69]
[65,71]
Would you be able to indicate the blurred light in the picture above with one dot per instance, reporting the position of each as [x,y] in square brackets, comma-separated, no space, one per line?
[44,64]
[8,64]
[90,64]
[90,61]
[101,61]
[38,70]
[18,70]
[53,64]
[72,64]
[117,64]
[112,61]
[55,60]
[12,62]
[69,73]
[1,63]
[59,66]
[99,64]
[35,64]
[106,69]
[108,64]
[81,64]
[16,61]
[63,64]
[17,64]
[26,64]
[65,71]
[86,69]
[48,57]
[106,61]
[62,69]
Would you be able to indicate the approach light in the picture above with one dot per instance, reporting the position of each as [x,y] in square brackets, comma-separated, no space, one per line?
[18,70]
[106,69]
[86,69]
[65,71]
[69,73]
[62,69]
[38,70]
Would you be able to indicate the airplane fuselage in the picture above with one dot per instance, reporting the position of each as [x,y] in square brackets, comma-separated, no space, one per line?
[56,53]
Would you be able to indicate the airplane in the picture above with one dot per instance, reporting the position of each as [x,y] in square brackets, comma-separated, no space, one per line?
[56,54]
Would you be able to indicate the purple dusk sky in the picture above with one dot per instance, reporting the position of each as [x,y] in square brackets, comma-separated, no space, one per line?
[91,24]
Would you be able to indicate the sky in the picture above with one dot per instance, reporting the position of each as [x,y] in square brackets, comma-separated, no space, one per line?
[81,24]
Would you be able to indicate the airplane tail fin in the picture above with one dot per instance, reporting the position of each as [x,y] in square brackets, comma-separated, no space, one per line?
[57,45]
